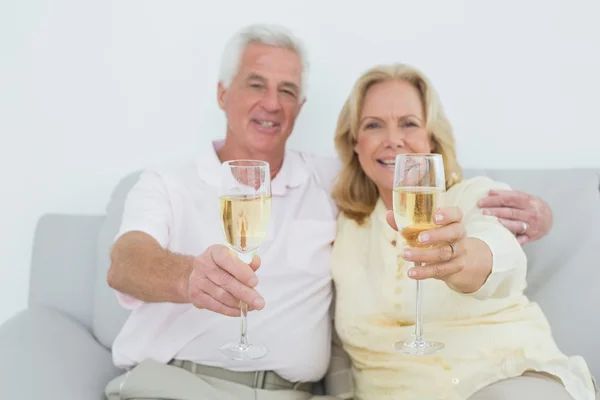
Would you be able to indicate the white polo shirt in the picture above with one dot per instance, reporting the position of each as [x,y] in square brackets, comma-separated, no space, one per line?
[179,207]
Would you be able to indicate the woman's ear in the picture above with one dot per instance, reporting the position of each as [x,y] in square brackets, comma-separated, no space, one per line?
[433,144]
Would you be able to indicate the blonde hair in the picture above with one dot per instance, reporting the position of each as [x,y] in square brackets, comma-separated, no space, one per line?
[354,192]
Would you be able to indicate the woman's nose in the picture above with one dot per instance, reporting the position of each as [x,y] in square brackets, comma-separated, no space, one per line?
[395,138]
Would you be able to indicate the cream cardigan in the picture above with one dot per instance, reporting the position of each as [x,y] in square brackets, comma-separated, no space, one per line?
[492,334]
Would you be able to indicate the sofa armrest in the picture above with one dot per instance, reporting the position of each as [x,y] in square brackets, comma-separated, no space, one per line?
[45,354]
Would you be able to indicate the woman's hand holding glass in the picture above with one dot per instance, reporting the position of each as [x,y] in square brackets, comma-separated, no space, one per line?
[447,247]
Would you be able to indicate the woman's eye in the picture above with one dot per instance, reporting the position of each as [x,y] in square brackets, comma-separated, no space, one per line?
[371,125]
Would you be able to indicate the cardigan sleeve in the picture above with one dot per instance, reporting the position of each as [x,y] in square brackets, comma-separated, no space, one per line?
[509,262]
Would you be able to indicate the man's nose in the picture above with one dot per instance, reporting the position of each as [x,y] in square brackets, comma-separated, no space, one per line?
[270,101]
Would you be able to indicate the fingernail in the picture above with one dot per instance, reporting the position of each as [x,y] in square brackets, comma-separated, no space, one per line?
[412,273]
[438,217]
[487,212]
[423,237]
[253,281]
[406,253]
[259,303]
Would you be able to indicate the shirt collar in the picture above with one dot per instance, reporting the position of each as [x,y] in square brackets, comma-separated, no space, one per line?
[291,175]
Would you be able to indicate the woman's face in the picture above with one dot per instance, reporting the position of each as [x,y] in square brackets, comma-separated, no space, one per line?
[392,122]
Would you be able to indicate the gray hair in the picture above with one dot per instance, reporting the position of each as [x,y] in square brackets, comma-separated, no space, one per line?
[269,34]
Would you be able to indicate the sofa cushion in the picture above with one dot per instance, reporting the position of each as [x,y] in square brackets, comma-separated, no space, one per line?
[47,355]
[108,315]
[563,275]
[62,273]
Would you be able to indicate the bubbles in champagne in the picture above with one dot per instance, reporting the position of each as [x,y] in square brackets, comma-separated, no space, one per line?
[413,211]
[245,220]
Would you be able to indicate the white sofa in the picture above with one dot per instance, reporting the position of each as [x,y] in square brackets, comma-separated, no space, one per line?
[59,347]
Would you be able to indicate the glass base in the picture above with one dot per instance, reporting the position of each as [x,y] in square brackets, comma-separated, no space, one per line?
[418,347]
[234,351]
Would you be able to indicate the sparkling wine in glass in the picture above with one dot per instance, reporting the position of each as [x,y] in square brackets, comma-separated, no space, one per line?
[245,211]
[419,181]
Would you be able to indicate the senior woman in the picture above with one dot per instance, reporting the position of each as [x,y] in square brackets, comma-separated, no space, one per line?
[498,343]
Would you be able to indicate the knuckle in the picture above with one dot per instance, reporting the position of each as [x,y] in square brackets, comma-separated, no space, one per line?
[219,253]
[514,227]
[247,295]
[523,215]
[225,279]
[221,294]
[536,214]
[444,253]
[201,300]
[200,262]
[437,271]
[205,262]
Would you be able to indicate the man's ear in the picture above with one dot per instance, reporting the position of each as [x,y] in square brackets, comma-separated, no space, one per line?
[301,104]
[221,93]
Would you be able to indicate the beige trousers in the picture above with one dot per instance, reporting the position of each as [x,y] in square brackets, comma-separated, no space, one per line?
[154,381]
[529,386]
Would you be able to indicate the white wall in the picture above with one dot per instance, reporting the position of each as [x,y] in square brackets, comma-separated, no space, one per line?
[90,91]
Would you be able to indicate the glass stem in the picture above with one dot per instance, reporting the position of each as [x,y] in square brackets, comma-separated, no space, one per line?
[419,310]
[247,258]
[243,325]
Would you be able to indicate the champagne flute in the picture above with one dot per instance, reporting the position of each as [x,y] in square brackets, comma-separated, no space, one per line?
[419,180]
[245,204]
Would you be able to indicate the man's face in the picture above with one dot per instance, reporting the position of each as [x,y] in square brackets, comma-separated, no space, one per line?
[263,100]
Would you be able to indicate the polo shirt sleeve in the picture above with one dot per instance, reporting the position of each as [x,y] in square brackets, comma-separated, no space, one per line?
[147,209]
[327,169]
